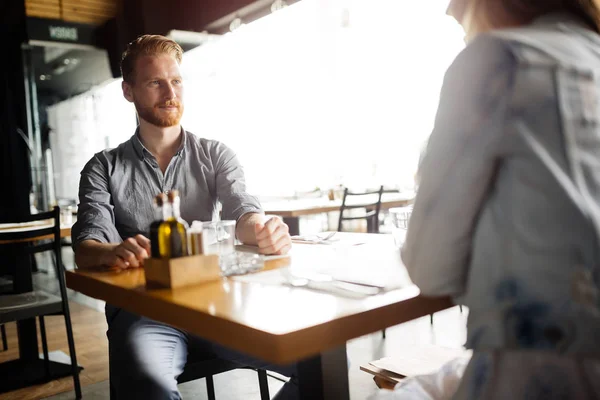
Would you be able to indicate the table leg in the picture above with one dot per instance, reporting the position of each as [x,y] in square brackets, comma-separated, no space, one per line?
[325,377]
[294,224]
[28,345]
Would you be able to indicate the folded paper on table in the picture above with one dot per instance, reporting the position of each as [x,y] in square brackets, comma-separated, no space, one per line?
[282,277]
[334,241]
[420,359]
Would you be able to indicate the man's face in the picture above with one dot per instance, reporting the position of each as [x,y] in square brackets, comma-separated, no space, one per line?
[157,90]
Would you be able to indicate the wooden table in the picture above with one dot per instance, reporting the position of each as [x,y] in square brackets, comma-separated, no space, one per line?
[65,231]
[276,322]
[29,368]
[291,210]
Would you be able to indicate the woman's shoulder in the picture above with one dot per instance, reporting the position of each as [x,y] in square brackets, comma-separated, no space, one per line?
[485,57]
[486,49]
[566,44]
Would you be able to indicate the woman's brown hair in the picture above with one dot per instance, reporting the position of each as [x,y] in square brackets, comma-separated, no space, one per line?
[587,10]
[528,10]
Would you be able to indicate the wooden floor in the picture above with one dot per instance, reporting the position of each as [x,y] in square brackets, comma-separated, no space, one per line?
[89,328]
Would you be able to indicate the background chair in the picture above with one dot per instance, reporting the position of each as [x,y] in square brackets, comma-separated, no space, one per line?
[198,366]
[5,287]
[201,366]
[370,202]
[4,341]
[36,303]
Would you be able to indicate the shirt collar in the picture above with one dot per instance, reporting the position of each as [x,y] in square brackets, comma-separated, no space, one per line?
[143,152]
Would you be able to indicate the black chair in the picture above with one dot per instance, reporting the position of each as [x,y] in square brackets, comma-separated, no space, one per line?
[202,366]
[198,366]
[4,341]
[37,303]
[370,202]
[5,287]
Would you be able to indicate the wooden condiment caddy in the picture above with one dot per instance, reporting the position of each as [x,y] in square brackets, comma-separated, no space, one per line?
[182,271]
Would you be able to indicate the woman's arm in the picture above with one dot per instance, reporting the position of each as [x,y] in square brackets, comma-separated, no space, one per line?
[459,166]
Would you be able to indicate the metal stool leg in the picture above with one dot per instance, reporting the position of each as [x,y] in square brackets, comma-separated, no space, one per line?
[210,387]
[383,333]
[45,346]
[263,383]
[431,318]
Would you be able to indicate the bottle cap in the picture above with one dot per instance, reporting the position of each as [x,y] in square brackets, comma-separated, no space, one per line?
[160,199]
[172,195]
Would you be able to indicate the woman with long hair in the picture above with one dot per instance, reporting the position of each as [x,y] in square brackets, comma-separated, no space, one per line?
[507,216]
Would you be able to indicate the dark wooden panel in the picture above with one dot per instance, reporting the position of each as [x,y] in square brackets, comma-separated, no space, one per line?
[158,16]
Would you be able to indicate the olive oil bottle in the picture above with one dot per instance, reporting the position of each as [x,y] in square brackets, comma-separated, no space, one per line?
[160,203]
[172,232]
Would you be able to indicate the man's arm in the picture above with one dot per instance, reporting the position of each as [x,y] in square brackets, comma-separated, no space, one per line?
[96,241]
[91,253]
[127,254]
[271,237]
[244,229]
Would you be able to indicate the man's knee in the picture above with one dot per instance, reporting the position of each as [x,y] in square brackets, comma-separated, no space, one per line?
[145,359]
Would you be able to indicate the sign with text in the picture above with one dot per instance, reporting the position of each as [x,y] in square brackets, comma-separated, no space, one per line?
[68,33]
[53,30]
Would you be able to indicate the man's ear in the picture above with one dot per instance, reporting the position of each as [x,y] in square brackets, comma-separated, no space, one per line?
[127,91]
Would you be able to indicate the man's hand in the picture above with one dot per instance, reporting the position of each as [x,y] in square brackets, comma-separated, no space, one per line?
[273,237]
[130,253]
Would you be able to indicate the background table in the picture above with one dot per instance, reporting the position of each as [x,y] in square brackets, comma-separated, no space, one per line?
[292,210]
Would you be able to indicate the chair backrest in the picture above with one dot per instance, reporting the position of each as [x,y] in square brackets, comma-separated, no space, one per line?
[370,201]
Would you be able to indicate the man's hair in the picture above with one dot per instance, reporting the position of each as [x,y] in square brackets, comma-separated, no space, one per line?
[528,10]
[147,45]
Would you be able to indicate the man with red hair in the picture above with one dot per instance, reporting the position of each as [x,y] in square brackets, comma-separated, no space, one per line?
[116,191]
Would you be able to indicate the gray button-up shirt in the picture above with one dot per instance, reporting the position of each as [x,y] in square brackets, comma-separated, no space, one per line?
[117,188]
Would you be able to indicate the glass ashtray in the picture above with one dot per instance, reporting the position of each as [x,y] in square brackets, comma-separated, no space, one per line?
[240,263]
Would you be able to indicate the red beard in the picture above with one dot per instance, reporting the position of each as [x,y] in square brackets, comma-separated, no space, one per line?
[159,117]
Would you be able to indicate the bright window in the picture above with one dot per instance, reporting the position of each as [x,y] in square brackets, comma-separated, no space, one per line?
[325,92]
[319,94]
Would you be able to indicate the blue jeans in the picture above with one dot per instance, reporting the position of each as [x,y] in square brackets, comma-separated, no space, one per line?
[147,356]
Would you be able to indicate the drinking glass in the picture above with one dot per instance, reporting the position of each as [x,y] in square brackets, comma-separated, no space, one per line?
[66,216]
[218,237]
[400,217]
